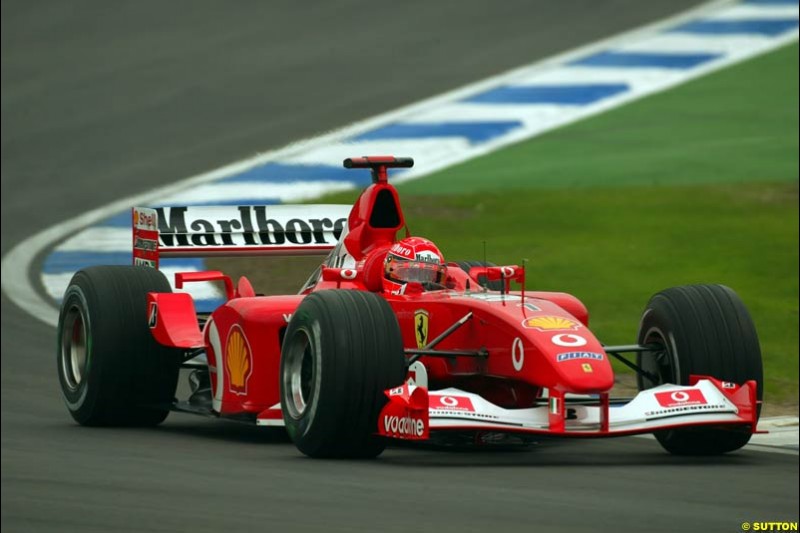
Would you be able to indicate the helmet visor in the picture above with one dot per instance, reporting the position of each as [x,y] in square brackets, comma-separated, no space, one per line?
[403,271]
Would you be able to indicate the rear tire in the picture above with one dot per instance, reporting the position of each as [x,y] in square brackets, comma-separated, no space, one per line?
[704,330]
[495,285]
[341,351]
[111,370]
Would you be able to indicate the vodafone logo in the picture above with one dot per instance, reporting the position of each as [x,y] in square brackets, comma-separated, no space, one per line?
[347,273]
[569,340]
[517,354]
[406,425]
[449,401]
[680,398]
[507,271]
[452,403]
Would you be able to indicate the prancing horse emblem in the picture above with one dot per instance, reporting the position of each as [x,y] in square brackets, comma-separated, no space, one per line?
[421,327]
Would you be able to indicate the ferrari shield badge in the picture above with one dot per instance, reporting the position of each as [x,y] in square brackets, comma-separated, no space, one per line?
[421,327]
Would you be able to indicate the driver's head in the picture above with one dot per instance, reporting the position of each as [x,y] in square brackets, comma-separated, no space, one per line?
[413,259]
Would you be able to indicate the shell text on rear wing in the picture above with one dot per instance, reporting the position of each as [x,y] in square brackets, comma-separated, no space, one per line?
[235,230]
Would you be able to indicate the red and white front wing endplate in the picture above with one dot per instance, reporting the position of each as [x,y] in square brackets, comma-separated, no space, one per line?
[405,415]
[706,402]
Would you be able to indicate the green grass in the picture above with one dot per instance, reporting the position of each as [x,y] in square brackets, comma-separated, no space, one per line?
[737,125]
[694,185]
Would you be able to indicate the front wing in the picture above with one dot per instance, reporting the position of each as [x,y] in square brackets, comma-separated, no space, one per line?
[413,412]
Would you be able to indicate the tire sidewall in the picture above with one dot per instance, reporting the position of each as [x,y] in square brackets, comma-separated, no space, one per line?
[482,281]
[300,426]
[83,397]
[655,325]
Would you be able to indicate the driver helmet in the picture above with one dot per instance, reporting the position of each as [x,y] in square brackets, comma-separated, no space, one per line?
[413,259]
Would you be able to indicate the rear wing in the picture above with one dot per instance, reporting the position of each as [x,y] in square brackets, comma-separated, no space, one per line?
[201,231]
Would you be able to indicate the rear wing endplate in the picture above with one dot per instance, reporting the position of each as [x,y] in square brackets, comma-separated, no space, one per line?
[201,231]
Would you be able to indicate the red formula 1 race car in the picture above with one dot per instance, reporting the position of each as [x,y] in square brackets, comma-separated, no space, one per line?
[387,341]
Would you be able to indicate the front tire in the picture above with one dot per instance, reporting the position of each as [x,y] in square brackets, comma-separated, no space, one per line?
[496,285]
[111,370]
[341,351]
[703,330]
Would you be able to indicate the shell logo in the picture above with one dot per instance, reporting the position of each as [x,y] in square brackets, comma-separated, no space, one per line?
[550,323]
[238,360]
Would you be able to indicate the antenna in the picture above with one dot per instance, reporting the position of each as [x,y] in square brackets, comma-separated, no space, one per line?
[524,276]
[484,253]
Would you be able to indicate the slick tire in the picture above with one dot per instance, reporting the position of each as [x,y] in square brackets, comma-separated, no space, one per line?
[704,330]
[491,285]
[341,351]
[111,370]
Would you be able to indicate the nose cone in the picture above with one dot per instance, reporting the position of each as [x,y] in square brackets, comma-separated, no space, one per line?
[583,371]
[573,358]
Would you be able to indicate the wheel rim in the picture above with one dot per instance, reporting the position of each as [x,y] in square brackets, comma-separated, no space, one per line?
[299,380]
[661,361]
[74,348]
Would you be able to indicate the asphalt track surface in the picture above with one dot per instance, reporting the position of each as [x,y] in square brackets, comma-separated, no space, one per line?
[102,100]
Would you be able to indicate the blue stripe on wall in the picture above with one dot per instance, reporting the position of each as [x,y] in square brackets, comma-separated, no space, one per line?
[771,2]
[207,306]
[235,201]
[581,94]
[476,132]
[282,173]
[201,306]
[61,262]
[123,220]
[768,27]
[638,60]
